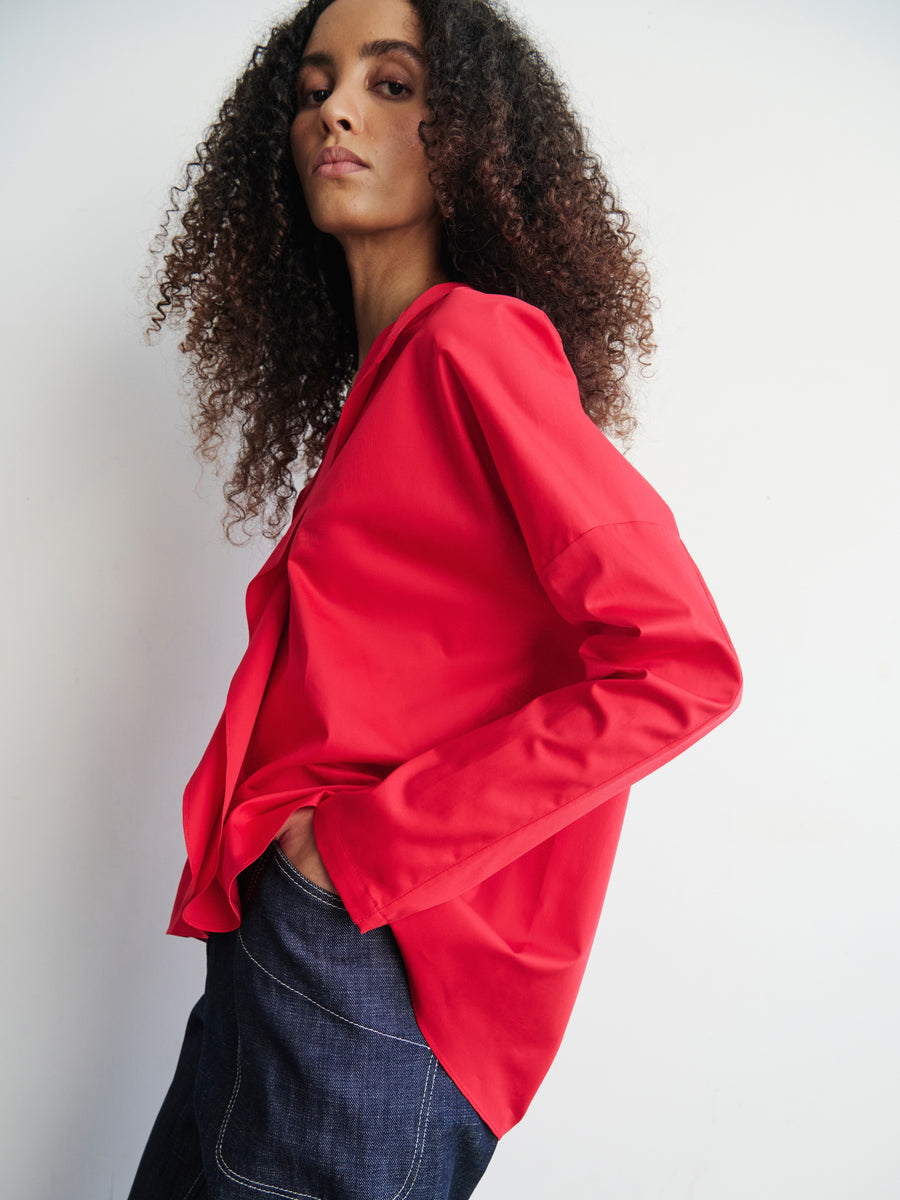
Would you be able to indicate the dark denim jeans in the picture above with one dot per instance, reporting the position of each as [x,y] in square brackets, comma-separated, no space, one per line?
[303,1073]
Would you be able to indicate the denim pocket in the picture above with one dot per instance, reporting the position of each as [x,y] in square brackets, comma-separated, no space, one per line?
[333,1081]
[304,882]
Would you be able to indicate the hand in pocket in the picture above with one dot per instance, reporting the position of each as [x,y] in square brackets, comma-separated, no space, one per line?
[299,844]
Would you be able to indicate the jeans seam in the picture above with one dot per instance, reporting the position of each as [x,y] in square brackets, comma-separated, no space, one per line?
[190,1191]
[297,877]
[272,1189]
[366,1028]
[421,1132]
[288,1193]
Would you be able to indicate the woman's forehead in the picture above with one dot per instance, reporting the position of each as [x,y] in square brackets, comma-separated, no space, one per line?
[346,22]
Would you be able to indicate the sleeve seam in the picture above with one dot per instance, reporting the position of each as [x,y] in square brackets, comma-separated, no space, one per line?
[593,529]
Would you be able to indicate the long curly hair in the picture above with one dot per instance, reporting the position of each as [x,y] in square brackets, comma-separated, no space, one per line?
[265,297]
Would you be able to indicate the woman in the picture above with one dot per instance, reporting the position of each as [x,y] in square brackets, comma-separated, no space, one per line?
[477,630]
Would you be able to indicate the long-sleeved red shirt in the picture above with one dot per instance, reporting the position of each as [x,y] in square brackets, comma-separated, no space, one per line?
[480,628]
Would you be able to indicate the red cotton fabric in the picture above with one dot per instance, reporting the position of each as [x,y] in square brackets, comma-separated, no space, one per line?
[478,631]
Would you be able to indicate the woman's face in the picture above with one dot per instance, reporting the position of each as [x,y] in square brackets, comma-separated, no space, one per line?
[354,140]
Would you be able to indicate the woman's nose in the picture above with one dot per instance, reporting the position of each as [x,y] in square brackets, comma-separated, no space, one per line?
[340,112]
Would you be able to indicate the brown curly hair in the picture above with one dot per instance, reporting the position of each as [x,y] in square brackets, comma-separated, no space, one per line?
[266,298]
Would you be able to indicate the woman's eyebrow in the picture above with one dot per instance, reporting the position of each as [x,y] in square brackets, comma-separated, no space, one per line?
[391,46]
[367,50]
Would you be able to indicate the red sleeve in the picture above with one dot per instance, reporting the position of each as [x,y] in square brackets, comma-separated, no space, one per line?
[659,670]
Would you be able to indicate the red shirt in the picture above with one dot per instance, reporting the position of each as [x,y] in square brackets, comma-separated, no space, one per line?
[480,628]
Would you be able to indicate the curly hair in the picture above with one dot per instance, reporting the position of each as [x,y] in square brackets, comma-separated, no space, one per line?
[527,211]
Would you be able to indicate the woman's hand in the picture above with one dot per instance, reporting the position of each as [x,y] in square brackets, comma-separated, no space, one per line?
[296,840]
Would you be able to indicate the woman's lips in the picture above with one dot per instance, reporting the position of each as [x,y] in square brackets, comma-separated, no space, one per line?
[337,160]
[343,166]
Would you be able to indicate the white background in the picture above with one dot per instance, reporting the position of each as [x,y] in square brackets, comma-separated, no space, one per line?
[736,1036]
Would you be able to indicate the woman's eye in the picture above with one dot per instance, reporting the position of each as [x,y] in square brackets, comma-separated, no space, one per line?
[314,97]
[393,87]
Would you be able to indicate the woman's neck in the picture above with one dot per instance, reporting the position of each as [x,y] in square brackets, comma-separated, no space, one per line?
[386,276]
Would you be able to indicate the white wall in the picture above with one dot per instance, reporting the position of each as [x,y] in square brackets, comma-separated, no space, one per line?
[737,1033]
